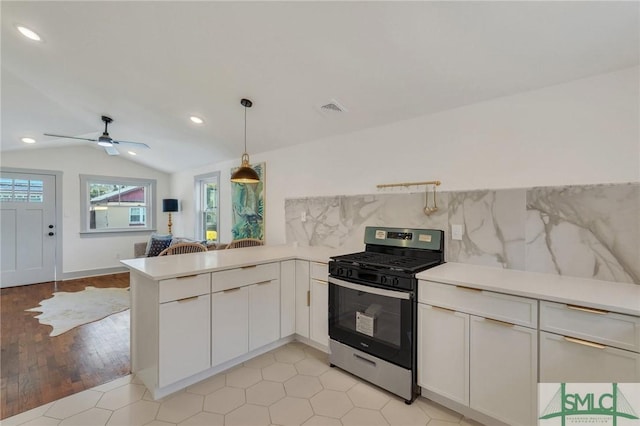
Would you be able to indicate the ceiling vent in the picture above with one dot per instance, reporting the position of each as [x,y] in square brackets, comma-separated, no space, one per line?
[332,108]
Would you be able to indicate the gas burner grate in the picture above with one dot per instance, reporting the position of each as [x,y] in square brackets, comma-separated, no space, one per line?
[382,260]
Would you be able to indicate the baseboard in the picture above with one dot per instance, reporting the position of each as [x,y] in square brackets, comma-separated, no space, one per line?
[93,273]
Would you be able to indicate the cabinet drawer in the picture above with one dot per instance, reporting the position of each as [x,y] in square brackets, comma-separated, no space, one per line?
[611,329]
[319,271]
[502,307]
[183,287]
[247,275]
[576,361]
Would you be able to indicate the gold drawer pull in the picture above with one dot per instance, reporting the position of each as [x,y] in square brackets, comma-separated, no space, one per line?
[504,323]
[440,308]
[187,299]
[186,276]
[584,342]
[308,298]
[590,310]
[249,267]
[461,287]
[231,290]
[263,282]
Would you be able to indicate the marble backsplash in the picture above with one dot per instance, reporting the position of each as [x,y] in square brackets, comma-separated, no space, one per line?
[589,231]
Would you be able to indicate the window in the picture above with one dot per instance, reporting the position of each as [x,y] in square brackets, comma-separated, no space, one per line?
[21,190]
[208,211]
[137,216]
[115,204]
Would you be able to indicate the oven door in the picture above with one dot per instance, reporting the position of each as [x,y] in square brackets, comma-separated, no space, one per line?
[374,320]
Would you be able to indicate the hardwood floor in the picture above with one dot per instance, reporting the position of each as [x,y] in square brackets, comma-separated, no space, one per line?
[36,368]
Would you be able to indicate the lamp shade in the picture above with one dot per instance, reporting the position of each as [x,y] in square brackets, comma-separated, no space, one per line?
[169,205]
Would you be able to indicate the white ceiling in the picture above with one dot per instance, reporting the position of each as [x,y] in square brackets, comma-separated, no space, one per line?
[150,65]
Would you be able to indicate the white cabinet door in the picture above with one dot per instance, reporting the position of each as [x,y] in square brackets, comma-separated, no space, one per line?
[302,298]
[287,298]
[319,312]
[503,371]
[264,313]
[185,338]
[443,352]
[229,324]
[572,360]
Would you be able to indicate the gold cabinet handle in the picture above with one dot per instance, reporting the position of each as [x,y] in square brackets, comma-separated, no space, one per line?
[440,308]
[263,282]
[504,323]
[231,290]
[186,276]
[249,267]
[308,298]
[461,287]
[590,310]
[584,342]
[187,299]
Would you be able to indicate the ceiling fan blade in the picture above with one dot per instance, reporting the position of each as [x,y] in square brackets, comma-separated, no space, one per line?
[70,137]
[111,150]
[140,144]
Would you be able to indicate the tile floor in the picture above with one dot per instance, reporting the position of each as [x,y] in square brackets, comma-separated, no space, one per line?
[291,385]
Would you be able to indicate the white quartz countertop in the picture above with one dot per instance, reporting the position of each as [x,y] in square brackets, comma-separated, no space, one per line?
[160,268]
[606,295]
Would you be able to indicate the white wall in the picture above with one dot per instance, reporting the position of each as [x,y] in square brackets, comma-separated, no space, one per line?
[94,252]
[582,132]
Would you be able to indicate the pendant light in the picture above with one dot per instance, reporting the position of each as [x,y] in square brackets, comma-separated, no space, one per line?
[245,174]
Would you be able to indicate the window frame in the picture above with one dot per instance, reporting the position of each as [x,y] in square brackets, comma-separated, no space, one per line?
[85,203]
[200,212]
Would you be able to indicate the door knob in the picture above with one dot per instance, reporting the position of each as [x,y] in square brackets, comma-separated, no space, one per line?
[51,234]
[50,226]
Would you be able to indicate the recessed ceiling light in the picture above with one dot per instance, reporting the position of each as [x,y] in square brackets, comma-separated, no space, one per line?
[28,140]
[196,120]
[30,34]
[132,153]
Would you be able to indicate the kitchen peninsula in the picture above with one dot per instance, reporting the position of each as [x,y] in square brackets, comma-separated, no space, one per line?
[195,315]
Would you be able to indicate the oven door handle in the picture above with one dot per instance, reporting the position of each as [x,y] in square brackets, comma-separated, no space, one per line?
[368,289]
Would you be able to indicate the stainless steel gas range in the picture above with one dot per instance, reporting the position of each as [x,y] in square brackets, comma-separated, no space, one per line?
[373,306]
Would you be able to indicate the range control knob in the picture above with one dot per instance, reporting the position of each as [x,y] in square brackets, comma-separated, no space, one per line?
[383,279]
[349,272]
[340,272]
[395,282]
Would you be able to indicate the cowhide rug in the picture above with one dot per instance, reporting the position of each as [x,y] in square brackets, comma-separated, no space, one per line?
[67,310]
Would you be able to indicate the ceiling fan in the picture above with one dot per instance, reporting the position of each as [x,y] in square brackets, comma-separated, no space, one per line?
[105,140]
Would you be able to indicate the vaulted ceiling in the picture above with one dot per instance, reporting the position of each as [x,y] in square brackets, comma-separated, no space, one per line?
[151,65]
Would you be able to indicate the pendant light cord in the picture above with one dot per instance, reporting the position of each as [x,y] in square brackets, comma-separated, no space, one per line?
[245,129]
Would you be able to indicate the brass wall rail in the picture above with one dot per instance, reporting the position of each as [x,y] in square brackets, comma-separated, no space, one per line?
[428,210]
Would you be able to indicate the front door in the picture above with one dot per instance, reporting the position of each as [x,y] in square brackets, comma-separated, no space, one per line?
[27,228]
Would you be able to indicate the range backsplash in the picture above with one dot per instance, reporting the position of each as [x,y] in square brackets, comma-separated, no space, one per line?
[589,231]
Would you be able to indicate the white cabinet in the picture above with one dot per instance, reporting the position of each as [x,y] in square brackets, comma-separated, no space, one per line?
[319,303]
[319,312]
[245,314]
[581,344]
[571,360]
[443,349]
[287,298]
[264,313]
[312,302]
[503,374]
[479,349]
[184,340]
[229,324]
[303,297]
[184,305]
